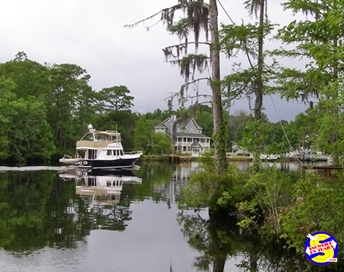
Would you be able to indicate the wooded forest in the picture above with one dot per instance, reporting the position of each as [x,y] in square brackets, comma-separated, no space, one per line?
[45,109]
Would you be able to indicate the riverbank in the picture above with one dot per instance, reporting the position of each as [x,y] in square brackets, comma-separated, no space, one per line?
[186,158]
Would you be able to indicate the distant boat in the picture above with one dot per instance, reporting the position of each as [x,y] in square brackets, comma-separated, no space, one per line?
[309,155]
[101,150]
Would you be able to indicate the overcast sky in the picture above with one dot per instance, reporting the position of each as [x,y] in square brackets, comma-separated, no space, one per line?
[91,34]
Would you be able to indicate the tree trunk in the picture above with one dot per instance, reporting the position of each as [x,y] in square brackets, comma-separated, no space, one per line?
[259,84]
[217,108]
[219,263]
[259,87]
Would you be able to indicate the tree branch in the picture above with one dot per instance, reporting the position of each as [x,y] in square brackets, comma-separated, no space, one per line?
[154,15]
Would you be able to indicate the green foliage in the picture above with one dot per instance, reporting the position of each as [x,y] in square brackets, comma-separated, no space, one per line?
[29,130]
[214,191]
[204,119]
[48,106]
[25,135]
[116,98]
[69,104]
[272,190]
[161,143]
[317,205]
[6,112]
[141,136]
[318,39]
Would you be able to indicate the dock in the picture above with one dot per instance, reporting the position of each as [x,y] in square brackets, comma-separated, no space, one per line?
[327,171]
[188,158]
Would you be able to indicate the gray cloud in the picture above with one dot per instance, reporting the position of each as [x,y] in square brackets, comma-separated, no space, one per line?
[91,34]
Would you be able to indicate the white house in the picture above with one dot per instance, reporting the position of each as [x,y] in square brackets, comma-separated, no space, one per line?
[188,138]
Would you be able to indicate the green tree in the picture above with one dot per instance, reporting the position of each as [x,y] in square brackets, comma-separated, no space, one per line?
[70,83]
[142,136]
[198,16]
[244,82]
[31,78]
[6,112]
[116,98]
[30,134]
[319,40]
[235,123]
[161,143]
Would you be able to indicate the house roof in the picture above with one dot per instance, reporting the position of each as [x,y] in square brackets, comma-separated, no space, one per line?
[160,126]
[183,122]
[162,123]
[187,121]
[194,135]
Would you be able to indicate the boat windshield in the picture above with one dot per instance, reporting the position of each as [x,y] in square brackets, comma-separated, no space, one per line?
[108,136]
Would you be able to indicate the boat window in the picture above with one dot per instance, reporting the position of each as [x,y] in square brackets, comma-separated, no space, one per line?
[92,154]
[108,152]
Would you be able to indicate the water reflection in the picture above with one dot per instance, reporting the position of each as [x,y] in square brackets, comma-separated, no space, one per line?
[223,246]
[100,192]
[171,191]
[129,215]
[38,209]
[34,210]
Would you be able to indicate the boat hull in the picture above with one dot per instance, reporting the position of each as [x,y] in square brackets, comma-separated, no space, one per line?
[108,164]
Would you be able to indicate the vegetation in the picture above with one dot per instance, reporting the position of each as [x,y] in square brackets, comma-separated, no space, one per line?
[45,108]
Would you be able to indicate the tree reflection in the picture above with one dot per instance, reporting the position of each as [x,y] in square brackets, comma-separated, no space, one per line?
[34,212]
[218,239]
[39,209]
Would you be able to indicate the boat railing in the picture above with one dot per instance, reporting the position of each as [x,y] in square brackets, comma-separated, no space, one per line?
[133,153]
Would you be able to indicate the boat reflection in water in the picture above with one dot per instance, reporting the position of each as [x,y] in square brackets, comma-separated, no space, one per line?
[101,193]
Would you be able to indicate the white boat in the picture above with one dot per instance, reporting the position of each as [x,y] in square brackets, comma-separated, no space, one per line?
[102,150]
[305,154]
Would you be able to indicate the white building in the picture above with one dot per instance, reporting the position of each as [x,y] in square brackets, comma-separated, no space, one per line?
[188,138]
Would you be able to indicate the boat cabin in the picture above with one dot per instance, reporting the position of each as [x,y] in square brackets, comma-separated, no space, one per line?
[101,144]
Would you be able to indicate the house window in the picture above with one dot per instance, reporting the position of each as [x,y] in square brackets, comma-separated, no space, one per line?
[189,140]
[184,139]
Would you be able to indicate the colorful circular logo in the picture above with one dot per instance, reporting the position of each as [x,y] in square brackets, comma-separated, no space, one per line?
[321,248]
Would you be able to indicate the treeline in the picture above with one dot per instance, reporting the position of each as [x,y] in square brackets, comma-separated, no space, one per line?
[45,108]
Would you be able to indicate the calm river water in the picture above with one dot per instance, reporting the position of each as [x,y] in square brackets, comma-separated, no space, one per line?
[57,220]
